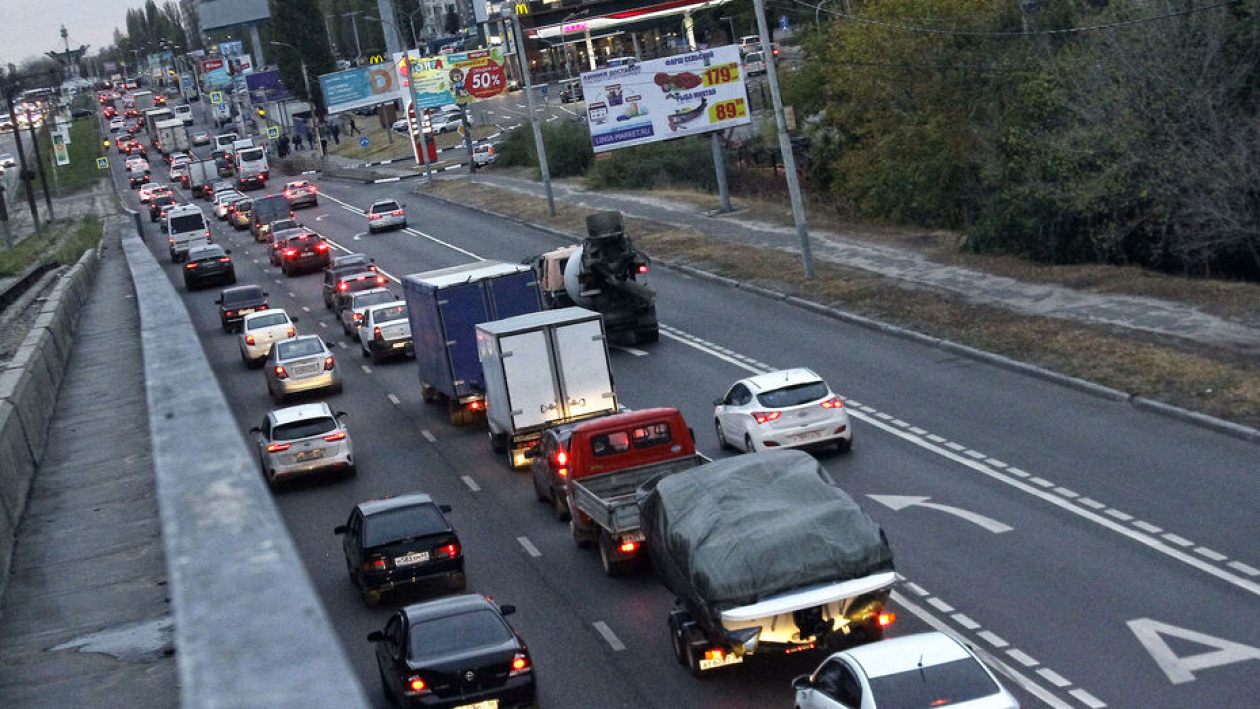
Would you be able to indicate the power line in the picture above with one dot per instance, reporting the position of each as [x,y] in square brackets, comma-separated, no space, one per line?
[1036,33]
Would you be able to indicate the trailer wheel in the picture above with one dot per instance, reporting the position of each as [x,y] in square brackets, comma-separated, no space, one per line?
[498,444]
[560,506]
[611,567]
[429,394]
[680,650]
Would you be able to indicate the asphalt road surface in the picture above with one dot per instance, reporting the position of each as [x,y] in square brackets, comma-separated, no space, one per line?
[1098,555]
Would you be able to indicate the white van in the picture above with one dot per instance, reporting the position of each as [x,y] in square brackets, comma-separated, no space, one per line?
[184,113]
[252,161]
[224,142]
[186,227]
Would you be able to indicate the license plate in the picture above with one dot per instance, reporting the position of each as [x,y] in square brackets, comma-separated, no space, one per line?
[633,537]
[309,455]
[396,345]
[727,659]
[246,311]
[418,557]
[488,704]
[809,436]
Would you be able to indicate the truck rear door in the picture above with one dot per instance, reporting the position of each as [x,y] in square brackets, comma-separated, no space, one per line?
[515,294]
[462,308]
[531,385]
[582,358]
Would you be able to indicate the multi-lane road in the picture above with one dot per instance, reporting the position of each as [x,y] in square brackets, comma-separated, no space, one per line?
[1097,554]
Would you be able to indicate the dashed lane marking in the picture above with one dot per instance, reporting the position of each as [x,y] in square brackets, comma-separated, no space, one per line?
[529,547]
[609,636]
[428,436]
[472,484]
[366,369]
[393,399]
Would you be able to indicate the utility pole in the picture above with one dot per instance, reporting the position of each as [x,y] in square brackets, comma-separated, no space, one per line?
[785,142]
[389,26]
[26,175]
[533,117]
[39,161]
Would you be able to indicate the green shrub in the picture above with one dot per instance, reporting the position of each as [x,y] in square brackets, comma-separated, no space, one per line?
[682,162]
[568,148]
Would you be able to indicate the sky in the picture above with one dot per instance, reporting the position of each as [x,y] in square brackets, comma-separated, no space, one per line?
[28,28]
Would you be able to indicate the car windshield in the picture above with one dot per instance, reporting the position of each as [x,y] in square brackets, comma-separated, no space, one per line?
[251,155]
[301,347]
[206,252]
[794,395]
[934,686]
[187,222]
[296,185]
[390,314]
[440,637]
[304,428]
[384,207]
[305,241]
[403,523]
[242,295]
[367,299]
[269,319]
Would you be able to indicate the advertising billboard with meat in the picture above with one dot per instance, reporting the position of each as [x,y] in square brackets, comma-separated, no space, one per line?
[668,98]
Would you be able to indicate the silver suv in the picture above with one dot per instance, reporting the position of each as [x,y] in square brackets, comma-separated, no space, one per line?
[301,364]
[303,439]
[386,214]
[386,332]
[357,303]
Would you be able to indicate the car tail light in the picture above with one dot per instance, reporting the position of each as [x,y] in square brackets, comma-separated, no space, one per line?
[277,447]
[290,253]
[643,268]
[224,259]
[833,403]
[416,685]
[311,189]
[339,435]
[261,307]
[281,373]
[374,565]
[193,264]
[328,362]
[376,334]
[321,246]
[397,213]
[766,416]
[841,429]
[715,654]
[450,551]
[358,316]
[520,665]
[288,193]
[343,286]
[562,458]
[292,332]
[628,547]
[249,340]
[474,405]
[380,280]
[374,216]
[171,240]
[886,619]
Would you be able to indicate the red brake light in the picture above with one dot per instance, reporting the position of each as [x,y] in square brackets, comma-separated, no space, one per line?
[339,435]
[224,259]
[832,403]
[397,213]
[276,447]
[290,253]
[380,280]
[563,472]
[628,547]
[343,286]
[374,565]
[374,216]
[416,684]
[292,332]
[714,654]
[280,373]
[328,362]
[562,458]
[376,334]
[358,316]
[643,268]
[321,246]
[450,550]
[886,619]
[311,189]
[192,264]
[474,405]
[288,193]
[765,416]
[249,340]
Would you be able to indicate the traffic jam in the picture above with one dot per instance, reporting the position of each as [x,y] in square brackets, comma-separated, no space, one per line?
[516,357]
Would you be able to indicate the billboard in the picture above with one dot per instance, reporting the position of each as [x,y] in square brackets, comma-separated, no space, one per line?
[359,87]
[459,77]
[661,99]
[214,74]
[221,14]
[267,85]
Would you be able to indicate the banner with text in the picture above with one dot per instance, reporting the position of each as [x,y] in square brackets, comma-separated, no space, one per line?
[661,99]
[359,87]
[459,77]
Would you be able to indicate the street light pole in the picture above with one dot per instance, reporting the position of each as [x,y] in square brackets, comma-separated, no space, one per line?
[358,49]
[533,117]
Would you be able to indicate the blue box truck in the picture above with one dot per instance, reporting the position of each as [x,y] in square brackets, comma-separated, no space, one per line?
[444,307]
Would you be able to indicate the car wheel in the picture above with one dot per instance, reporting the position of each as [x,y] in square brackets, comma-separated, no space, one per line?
[680,650]
[579,537]
[404,224]
[273,482]
[371,597]
[721,435]
[844,445]
[539,491]
[748,444]
[560,507]
[457,581]
[188,284]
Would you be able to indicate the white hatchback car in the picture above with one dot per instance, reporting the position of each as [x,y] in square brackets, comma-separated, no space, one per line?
[259,331]
[922,670]
[303,439]
[785,409]
[358,303]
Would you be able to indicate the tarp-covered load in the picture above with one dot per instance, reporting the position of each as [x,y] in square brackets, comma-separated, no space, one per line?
[732,532]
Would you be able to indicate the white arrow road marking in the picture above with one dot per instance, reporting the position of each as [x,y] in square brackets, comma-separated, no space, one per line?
[1181,669]
[900,502]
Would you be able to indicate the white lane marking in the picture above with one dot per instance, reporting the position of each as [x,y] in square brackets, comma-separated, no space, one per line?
[1147,527]
[1017,472]
[1053,677]
[279,281]
[323,324]
[1239,566]
[393,399]
[719,355]
[292,294]
[1179,541]
[974,454]
[917,431]
[428,436]
[1213,555]
[1022,658]
[366,369]
[1088,699]
[472,484]
[529,547]
[629,350]
[915,588]
[965,621]
[1041,482]
[1091,503]
[1122,516]
[992,461]
[609,636]
[955,446]
[993,639]
[935,438]
[1066,492]
[415,232]
[888,417]
[342,345]
[940,605]
[1010,672]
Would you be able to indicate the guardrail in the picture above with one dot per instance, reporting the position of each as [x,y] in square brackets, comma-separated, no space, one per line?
[249,628]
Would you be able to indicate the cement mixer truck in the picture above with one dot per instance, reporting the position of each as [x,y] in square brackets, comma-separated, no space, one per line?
[602,274]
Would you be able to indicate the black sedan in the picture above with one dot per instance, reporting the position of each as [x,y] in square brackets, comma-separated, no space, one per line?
[208,263]
[401,541]
[156,204]
[455,651]
[237,302]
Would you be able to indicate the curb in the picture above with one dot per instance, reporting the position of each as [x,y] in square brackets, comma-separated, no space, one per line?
[1229,428]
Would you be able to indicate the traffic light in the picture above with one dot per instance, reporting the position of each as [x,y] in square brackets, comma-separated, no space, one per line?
[262,113]
[105,143]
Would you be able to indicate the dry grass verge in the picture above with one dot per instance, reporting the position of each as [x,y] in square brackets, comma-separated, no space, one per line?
[1216,382]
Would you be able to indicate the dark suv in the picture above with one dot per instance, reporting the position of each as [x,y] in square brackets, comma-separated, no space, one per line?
[304,251]
[268,209]
[400,541]
[353,283]
[237,302]
[341,266]
[208,263]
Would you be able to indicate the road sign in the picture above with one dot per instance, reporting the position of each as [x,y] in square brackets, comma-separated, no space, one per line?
[363,142]
[216,97]
[273,132]
[102,163]
[59,149]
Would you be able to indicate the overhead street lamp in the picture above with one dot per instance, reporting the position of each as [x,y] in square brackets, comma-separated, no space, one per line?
[306,82]
[411,22]
[358,49]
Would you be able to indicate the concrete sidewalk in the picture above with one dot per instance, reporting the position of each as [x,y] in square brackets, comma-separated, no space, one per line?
[1131,312]
[85,619]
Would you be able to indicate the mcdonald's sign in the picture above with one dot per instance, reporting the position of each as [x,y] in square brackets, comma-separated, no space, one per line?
[376,59]
[522,8]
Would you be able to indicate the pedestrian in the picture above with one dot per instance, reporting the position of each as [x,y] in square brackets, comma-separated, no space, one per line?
[336,134]
[323,145]
[354,130]
[283,146]
[297,141]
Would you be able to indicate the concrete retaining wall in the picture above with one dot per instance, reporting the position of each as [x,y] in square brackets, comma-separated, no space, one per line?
[28,394]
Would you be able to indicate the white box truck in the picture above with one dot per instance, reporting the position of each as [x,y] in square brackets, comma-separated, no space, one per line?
[172,136]
[543,369]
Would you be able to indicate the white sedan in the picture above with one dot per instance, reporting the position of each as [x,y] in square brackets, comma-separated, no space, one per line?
[259,331]
[785,409]
[923,670]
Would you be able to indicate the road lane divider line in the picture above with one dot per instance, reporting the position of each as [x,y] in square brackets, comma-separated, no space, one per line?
[428,435]
[414,232]
[529,547]
[609,636]
[472,484]
[393,399]
[366,369]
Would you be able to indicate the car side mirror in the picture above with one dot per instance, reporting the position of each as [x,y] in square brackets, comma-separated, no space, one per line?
[444,508]
[266,294]
[719,402]
[341,413]
[218,301]
[339,529]
[801,682]
[508,609]
[227,251]
[329,345]
[375,636]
